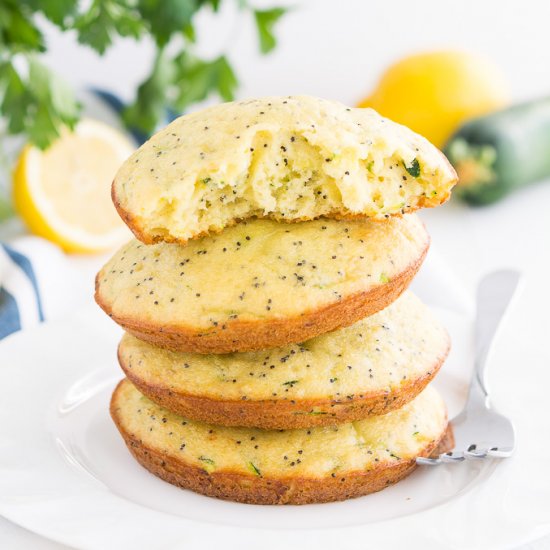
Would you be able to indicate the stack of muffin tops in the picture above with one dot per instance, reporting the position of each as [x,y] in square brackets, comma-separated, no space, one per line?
[272,354]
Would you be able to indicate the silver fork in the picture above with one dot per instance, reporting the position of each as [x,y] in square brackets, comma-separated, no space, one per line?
[479,430]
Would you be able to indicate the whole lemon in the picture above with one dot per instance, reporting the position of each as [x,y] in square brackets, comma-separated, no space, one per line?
[433,93]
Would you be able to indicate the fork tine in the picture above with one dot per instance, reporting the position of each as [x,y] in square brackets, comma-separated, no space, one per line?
[452,456]
[474,453]
[500,452]
[428,461]
[442,458]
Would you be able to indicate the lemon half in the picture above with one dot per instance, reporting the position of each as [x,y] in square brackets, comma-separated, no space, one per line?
[63,193]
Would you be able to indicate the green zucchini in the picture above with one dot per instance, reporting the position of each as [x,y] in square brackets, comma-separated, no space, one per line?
[502,151]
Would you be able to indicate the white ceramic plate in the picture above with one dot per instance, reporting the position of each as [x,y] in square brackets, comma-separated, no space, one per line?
[66,474]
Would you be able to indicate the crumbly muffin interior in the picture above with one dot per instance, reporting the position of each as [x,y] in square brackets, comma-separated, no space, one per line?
[284,158]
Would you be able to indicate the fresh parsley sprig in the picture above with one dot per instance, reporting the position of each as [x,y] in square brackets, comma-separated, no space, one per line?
[36,103]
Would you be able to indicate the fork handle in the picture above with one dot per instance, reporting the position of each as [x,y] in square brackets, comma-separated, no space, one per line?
[494,294]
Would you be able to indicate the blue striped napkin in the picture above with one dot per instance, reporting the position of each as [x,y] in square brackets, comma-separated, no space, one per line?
[38,282]
[20,302]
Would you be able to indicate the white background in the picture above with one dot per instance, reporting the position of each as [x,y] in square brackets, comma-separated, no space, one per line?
[337,49]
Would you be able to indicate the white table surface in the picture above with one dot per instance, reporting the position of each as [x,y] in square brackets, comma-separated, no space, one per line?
[337,52]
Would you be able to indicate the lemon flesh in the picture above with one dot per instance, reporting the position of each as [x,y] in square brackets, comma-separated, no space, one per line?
[63,193]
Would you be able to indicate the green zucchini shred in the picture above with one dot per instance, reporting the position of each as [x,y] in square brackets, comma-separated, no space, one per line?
[254,469]
[414,168]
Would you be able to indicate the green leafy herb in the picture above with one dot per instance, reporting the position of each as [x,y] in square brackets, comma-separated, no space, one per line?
[105,20]
[17,30]
[195,79]
[167,17]
[413,169]
[59,12]
[290,383]
[265,21]
[150,103]
[36,103]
